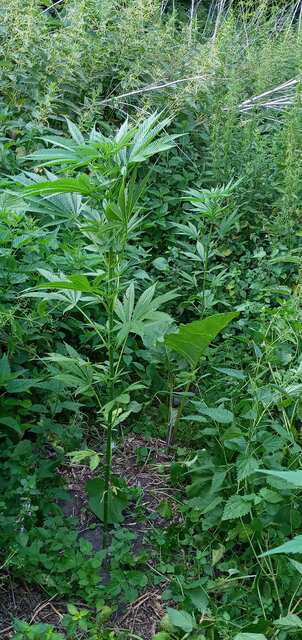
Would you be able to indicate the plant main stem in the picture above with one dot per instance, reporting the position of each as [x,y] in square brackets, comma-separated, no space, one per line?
[173,427]
[110,386]
[205,269]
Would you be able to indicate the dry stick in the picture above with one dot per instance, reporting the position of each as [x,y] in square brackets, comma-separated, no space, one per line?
[294,11]
[152,88]
[285,85]
[192,9]
[52,6]
[56,611]
[220,12]
[163,6]
[300,18]
[6,630]
[277,104]
[279,100]
[40,608]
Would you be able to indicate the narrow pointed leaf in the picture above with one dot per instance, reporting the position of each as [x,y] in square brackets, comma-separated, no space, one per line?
[80,185]
[291,546]
[292,477]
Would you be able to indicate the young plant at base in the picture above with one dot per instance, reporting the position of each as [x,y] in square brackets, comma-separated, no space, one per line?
[190,343]
[209,223]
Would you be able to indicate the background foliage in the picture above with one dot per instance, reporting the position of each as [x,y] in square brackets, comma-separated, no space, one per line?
[235,246]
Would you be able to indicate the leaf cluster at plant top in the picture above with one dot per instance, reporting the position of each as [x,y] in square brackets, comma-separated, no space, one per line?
[150,267]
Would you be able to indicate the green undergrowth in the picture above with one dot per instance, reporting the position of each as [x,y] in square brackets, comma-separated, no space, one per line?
[150,287]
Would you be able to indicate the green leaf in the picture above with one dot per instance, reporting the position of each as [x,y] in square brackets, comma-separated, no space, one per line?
[78,457]
[270,496]
[217,554]
[5,372]
[237,506]
[250,636]
[143,318]
[12,423]
[291,546]
[145,141]
[296,564]
[81,185]
[161,264]
[192,339]
[164,509]
[181,619]
[198,597]
[18,386]
[219,414]
[118,499]
[232,373]
[291,621]
[246,465]
[75,132]
[292,477]
[72,610]
[74,282]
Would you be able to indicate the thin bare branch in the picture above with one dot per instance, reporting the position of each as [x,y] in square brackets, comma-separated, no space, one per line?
[52,6]
[154,87]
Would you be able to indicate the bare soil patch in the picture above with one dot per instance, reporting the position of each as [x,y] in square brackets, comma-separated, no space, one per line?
[140,617]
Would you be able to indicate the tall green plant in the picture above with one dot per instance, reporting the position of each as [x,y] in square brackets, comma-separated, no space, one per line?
[110,221]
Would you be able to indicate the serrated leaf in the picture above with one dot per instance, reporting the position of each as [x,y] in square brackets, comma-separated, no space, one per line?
[237,507]
[18,386]
[245,467]
[5,371]
[198,597]
[218,414]
[80,185]
[270,496]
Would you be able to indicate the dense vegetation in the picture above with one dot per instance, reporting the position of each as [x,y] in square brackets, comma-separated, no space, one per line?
[150,320]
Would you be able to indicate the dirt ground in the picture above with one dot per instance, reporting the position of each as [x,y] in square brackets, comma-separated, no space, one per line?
[140,617]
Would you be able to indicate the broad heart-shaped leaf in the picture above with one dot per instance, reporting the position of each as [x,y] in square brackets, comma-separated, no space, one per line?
[181,619]
[118,498]
[192,339]
[292,477]
[291,546]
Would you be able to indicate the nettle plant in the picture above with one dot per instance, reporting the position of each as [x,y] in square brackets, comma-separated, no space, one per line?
[103,173]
